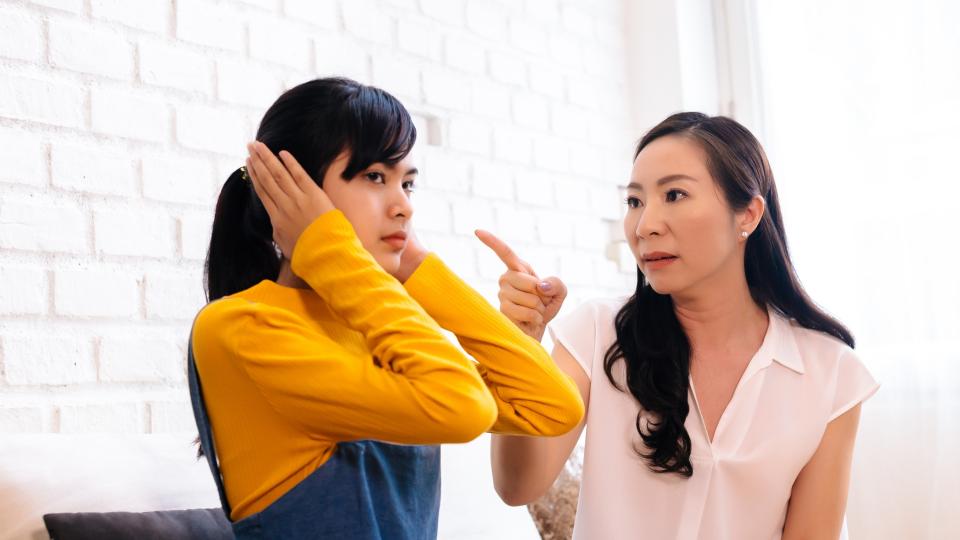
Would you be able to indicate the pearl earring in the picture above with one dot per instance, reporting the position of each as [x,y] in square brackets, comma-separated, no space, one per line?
[744,234]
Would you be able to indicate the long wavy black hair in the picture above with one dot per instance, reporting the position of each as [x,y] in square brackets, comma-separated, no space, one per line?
[315,121]
[650,339]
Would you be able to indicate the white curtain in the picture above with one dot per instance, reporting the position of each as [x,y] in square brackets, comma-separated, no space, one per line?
[860,104]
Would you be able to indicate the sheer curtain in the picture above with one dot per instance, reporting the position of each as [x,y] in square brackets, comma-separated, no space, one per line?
[859,113]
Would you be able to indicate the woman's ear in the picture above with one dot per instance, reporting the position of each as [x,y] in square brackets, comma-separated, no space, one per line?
[748,219]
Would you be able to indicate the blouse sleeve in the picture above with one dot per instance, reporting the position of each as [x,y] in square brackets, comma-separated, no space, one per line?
[854,385]
[577,332]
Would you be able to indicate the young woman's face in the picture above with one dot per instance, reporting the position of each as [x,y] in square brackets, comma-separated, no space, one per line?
[377,203]
[678,224]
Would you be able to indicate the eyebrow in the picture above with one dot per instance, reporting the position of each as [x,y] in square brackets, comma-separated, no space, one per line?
[410,171]
[662,181]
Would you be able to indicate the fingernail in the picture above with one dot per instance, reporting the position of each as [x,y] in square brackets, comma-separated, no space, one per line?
[544,286]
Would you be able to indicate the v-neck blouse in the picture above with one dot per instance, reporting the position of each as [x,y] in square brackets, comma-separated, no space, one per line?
[796,383]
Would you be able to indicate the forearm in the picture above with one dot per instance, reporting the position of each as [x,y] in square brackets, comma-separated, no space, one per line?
[331,259]
[334,392]
[533,395]
[524,468]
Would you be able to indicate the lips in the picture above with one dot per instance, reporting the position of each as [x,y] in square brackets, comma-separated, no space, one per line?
[657,260]
[398,239]
[657,256]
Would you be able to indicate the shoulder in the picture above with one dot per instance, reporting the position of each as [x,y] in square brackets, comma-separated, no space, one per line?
[834,369]
[587,330]
[221,322]
[601,312]
[223,313]
[820,351]
[218,324]
[829,363]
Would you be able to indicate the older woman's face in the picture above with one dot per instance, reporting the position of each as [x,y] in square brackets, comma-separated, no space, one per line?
[679,226]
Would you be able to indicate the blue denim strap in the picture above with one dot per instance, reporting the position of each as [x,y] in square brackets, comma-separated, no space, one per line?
[203,425]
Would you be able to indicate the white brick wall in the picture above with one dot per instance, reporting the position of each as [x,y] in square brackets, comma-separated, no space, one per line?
[96,292]
[47,360]
[102,418]
[174,66]
[120,120]
[137,359]
[23,290]
[38,223]
[122,113]
[21,34]
[77,46]
[150,15]
[25,157]
[135,230]
[91,168]
[42,101]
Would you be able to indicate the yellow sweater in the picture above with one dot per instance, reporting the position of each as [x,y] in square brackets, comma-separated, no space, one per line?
[287,373]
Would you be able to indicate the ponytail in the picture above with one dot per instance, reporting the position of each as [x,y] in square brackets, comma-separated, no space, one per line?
[241,250]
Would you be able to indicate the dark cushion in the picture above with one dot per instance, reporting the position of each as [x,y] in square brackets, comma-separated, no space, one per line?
[205,523]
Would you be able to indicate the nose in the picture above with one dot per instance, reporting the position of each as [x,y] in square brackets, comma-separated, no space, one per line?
[650,223]
[399,206]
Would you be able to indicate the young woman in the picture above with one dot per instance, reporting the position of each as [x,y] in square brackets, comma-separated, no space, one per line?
[722,403]
[326,379]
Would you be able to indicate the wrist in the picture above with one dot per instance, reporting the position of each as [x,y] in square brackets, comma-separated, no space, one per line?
[409,264]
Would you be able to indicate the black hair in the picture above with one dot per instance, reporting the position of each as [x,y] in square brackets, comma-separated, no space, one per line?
[651,341]
[315,121]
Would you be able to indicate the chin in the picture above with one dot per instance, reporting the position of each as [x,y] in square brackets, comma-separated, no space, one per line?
[660,288]
[390,263]
[663,286]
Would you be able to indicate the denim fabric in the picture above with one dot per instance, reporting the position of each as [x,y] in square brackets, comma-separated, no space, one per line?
[368,490]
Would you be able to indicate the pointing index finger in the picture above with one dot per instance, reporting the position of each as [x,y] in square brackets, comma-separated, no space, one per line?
[504,252]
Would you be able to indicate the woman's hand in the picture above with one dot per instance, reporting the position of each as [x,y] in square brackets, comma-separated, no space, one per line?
[525,299]
[413,255]
[292,199]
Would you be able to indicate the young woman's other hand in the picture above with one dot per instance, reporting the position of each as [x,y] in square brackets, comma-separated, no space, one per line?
[413,255]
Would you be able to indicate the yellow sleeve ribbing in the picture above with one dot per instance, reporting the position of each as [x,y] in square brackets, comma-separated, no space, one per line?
[533,396]
[417,388]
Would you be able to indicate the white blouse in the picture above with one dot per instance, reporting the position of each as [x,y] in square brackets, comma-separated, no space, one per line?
[797,382]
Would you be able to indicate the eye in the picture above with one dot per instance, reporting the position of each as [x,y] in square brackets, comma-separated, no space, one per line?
[375,177]
[634,202]
[409,186]
[675,195]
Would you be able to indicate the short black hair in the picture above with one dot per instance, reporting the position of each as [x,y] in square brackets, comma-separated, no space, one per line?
[315,121]
[319,119]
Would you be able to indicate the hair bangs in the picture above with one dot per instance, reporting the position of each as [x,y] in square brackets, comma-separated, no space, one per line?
[383,131]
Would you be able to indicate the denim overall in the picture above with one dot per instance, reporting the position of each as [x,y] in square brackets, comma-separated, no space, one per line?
[367,490]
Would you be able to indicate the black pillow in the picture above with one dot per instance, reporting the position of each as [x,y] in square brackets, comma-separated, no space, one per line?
[200,523]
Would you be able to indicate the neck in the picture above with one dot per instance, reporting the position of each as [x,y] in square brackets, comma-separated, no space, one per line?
[287,278]
[722,314]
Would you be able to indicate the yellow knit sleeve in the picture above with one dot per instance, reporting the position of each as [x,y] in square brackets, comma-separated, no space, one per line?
[533,396]
[415,388]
